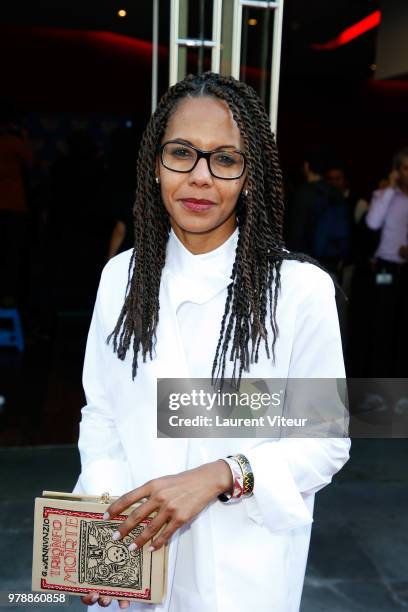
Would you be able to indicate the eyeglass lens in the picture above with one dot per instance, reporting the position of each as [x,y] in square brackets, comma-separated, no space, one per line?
[223,164]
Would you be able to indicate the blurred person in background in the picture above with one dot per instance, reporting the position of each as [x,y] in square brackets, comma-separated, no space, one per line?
[336,176]
[389,212]
[16,159]
[363,241]
[357,272]
[317,220]
[317,223]
[388,320]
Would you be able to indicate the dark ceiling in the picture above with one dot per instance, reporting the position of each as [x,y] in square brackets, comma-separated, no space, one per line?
[325,96]
[317,21]
[305,23]
[84,15]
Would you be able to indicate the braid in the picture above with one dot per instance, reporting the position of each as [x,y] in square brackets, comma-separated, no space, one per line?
[255,278]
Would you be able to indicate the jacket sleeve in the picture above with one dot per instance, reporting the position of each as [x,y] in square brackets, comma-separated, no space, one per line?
[288,470]
[379,206]
[103,462]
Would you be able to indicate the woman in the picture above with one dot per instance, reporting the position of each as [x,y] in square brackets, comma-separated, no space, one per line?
[209,279]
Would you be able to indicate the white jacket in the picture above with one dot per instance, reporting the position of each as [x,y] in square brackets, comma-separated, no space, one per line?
[232,557]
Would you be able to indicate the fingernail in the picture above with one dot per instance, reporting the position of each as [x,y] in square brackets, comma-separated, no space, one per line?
[106,516]
[95,598]
[116,535]
[151,549]
[132,546]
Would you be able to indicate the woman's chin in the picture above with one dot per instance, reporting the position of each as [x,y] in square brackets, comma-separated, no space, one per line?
[195,225]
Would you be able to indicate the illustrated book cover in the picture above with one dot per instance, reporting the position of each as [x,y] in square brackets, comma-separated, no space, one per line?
[73,551]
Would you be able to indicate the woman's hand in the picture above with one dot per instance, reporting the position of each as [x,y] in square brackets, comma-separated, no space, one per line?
[176,499]
[393,178]
[92,598]
[403,251]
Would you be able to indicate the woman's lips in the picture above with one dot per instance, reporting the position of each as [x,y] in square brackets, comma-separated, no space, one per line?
[197,205]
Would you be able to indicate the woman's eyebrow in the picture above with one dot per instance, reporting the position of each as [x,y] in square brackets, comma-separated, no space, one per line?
[221,147]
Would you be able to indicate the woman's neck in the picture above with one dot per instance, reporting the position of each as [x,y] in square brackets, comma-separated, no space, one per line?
[204,242]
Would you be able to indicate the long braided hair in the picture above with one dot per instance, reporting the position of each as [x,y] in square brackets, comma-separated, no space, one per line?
[260,249]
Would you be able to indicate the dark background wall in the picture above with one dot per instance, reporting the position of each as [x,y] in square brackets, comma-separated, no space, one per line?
[80,57]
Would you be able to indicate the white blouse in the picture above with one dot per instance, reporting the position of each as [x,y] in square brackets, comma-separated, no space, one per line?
[230,557]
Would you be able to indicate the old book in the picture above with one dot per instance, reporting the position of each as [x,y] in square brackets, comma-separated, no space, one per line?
[73,551]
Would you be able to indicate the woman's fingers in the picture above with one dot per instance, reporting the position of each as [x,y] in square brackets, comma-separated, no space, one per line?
[104,602]
[127,500]
[168,531]
[166,534]
[150,530]
[91,598]
[175,499]
[134,518]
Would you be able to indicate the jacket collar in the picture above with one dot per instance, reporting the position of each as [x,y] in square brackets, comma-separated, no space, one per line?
[198,278]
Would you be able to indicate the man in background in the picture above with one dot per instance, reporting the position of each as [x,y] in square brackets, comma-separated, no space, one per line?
[388,212]
[317,220]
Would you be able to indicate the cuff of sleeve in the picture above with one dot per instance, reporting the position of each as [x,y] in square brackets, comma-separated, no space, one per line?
[105,475]
[279,501]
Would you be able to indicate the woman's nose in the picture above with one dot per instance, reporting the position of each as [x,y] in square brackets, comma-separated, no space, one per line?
[201,173]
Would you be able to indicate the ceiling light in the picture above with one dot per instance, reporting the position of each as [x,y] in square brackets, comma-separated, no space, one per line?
[361,27]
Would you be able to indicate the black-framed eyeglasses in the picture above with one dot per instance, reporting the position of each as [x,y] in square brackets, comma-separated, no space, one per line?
[226,164]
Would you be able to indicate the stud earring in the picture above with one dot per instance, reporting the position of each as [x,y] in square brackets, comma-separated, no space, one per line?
[246,193]
[157,180]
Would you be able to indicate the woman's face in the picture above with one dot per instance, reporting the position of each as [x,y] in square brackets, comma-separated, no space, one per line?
[207,124]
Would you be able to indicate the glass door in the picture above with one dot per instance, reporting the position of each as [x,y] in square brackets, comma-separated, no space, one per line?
[241,38]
